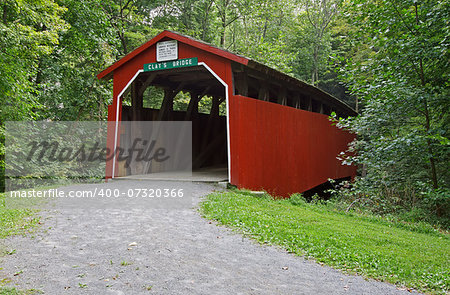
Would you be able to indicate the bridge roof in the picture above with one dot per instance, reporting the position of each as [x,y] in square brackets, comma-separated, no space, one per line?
[234,58]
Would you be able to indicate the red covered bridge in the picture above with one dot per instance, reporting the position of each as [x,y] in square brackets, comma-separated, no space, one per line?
[275,136]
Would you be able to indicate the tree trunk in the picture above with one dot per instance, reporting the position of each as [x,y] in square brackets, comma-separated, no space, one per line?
[5,13]
[123,42]
[315,71]
[434,177]
[224,25]
[426,112]
[205,21]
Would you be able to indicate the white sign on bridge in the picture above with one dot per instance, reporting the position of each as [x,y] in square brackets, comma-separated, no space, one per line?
[166,50]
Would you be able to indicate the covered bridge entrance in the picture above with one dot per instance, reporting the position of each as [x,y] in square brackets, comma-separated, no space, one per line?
[267,130]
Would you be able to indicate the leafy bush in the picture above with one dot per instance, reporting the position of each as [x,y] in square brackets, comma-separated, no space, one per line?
[297,200]
[404,204]
[401,79]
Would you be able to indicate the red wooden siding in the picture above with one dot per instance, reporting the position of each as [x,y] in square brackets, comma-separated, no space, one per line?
[281,149]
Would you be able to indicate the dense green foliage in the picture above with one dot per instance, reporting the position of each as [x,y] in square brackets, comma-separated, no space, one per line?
[403,132]
[413,255]
[388,58]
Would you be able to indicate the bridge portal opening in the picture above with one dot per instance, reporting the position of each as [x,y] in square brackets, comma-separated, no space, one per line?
[184,94]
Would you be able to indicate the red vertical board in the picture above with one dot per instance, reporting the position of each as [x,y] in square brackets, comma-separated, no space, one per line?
[110,139]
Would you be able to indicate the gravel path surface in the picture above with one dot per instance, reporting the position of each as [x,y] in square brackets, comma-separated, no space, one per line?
[162,251]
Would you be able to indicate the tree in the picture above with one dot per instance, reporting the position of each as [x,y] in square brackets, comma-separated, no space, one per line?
[69,87]
[28,32]
[264,32]
[403,129]
[319,14]
[316,43]
[126,18]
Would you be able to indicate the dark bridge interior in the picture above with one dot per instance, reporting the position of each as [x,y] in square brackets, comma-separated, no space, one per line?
[209,137]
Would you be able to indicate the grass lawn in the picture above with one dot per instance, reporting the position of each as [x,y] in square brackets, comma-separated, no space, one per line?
[15,221]
[407,255]
[9,291]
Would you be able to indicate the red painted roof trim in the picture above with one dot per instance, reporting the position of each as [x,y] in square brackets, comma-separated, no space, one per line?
[175,36]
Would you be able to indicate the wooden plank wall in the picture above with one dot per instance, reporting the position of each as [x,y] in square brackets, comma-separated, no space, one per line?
[281,149]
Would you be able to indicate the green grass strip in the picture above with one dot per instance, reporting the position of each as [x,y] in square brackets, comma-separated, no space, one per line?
[15,221]
[356,244]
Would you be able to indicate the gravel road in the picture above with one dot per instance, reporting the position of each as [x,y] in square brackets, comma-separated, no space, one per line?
[161,251]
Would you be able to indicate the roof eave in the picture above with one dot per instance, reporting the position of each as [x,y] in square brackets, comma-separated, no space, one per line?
[275,73]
